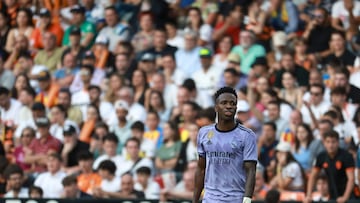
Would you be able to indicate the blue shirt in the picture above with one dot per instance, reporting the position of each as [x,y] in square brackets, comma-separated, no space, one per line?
[63,72]
[188,61]
[303,156]
[225,153]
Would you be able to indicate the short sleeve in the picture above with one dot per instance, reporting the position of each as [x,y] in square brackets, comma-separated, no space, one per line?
[318,161]
[200,147]
[292,170]
[349,161]
[335,10]
[358,159]
[250,147]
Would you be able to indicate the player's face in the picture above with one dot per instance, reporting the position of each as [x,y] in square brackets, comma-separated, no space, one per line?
[226,106]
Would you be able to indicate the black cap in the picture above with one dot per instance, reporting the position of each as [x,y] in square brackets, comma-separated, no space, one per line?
[75,31]
[37,106]
[77,9]
[148,57]
[88,55]
[69,130]
[44,13]
[260,61]
[44,76]
[42,122]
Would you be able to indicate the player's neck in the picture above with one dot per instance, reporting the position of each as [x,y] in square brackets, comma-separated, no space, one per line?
[226,125]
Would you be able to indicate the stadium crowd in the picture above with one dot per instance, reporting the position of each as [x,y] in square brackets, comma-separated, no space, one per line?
[104,98]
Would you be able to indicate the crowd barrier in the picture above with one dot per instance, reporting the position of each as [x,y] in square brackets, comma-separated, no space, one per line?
[116,201]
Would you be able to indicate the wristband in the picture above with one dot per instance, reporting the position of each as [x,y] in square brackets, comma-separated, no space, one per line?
[246,200]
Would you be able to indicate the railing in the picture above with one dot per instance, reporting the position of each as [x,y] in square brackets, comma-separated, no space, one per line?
[114,201]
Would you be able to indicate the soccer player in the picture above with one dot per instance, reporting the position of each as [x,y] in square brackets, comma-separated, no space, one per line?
[227,156]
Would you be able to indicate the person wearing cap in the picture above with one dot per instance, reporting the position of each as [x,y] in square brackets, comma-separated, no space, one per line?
[72,146]
[244,115]
[208,76]
[7,77]
[46,24]
[42,146]
[50,56]
[96,76]
[115,30]
[148,65]
[88,30]
[48,90]
[248,50]
[188,59]
[289,175]
[122,128]
[104,58]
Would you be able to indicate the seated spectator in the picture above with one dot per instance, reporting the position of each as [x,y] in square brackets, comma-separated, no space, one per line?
[71,189]
[147,147]
[205,117]
[73,112]
[321,193]
[338,98]
[122,128]
[136,111]
[110,142]
[75,47]
[175,39]
[9,108]
[46,24]
[273,115]
[27,135]
[96,139]
[289,174]
[59,120]
[261,188]
[188,150]
[267,143]
[341,79]
[35,192]
[243,114]
[116,82]
[87,180]
[167,155]
[173,75]
[143,39]
[92,117]
[273,196]
[301,151]
[301,57]
[15,178]
[340,14]
[53,177]
[290,92]
[48,90]
[145,184]
[72,146]
[183,190]
[156,103]
[127,189]
[66,74]
[153,131]
[51,54]
[109,182]
[7,78]
[41,147]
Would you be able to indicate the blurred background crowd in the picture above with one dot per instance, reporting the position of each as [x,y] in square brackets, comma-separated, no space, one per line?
[104,98]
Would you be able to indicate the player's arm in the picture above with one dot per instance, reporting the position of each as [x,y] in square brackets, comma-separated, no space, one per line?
[199,179]
[250,168]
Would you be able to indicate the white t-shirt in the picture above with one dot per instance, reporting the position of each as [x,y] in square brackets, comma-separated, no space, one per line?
[339,11]
[191,152]
[152,190]
[318,111]
[58,131]
[137,112]
[24,193]
[113,185]
[178,41]
[127,165]
[117,159]
[207,81]
[354,79]
[11,115]
[51,184]
[293,171]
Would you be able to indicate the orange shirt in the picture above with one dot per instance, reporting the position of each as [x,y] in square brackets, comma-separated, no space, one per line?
[86,131]
[87,182]
[48,98]
[36,36]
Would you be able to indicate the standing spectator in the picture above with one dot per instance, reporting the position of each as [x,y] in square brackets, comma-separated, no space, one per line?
[15,178]
[71,189]
[24,26]
[338,165]
[46,24]
[87,29]
[7,78]
[115,30]
[53,177]
[188,59]
[248,50]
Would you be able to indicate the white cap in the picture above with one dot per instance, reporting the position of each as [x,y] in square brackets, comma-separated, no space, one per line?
[242,106]
[279,38]
[101,39]
[121,104]
[283,147]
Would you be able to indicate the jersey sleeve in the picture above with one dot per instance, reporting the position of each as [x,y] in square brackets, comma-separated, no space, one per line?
[250,147]
[319,161]
[200,147]
[349,162]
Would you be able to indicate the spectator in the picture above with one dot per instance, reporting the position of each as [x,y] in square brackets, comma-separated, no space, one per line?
[187,59]
[290,92]
[21,82]
[188,115]
[94,13]
[15,178]
[267,143]
[106,109]
[122,128]
[9,108]
[110,143]
[140,80]
[207,77]
[273,196]
[301,151]
[243,114]
[221,59]
[261,188]
[188,150]
[173,75]
[46,24]
[156,103]
[321,192]
[136,111]
[48,90]
[248,50]
[23,26]
[65,75]
[92,117]
[50,56]
[144,38]
[59,121]
[109,182]
[7,78]
[145,184]
[73,112]
[72,146]
[35,192]
[71,189]
[147,146]
[127,189]
[338,98]
[205,117]
[20,47]
[153,131]
[116,82]
[75,47]
[339,52]
[87,180]
[41,147]
[183,190]
[38,110]
[338,165]
[88,29]
[53,177]
[343,13]
[27,135]
[174,37]
[341,79]
[124,66]
[273,115]
[104,59]
[114,29]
